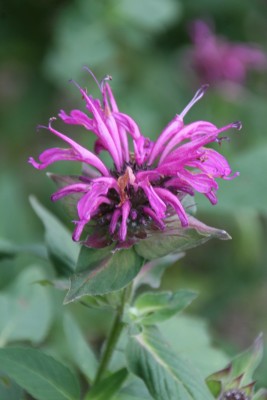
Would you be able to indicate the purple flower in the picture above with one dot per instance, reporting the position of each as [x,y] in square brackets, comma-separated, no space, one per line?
[216,60]
[147,183]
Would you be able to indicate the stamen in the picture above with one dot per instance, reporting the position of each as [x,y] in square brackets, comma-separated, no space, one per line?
[199,94]
[102,82]
[221,139]
[93,76]
[237,125]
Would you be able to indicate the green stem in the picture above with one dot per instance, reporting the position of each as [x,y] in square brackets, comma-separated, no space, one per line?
[112,340]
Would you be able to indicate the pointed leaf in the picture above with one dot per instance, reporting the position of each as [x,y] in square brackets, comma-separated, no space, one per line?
[135,390]
[189,336]
[150,308]
[40,375]
[246,362]
[112,273]
[62,250]
[9,249]
[81,353]
[177,238]
[108,387]
[25,308]
[152,272]
[167,375]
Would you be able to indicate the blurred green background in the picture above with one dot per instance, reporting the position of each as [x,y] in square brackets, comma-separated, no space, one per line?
[144,45]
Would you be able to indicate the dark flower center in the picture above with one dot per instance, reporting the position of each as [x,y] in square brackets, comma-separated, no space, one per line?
[234,394]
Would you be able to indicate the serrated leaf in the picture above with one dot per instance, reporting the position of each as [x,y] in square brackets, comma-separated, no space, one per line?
[108,386]
[40,375]
[153,307]
[166,375]
[61,248]
[110,274]
[81,353]
[25,308]
[177,239]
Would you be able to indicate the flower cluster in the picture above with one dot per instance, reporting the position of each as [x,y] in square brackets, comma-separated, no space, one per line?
[148,180]
[215,59]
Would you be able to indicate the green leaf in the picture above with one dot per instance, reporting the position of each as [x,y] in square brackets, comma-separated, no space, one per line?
[150,14]
[166,375]
[150,308]
[61,248]
[25,308]
[111,273]
[152,272]
[260,395]
[9,390]
[177,238]
[80,351]
[134,390]
[246,362]
[108,387]
[189,336]
[40,375]
[9,249]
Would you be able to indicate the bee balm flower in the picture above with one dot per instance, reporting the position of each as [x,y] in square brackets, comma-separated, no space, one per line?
[148,181]
[217,60]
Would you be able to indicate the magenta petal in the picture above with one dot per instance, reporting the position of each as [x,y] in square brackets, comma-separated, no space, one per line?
[77,117]
[155,201]
[170,198]
[154,216]
[114,220]
[70,189]
[192,131]
[200,182]
[125,210]
[171,129]
[128,124]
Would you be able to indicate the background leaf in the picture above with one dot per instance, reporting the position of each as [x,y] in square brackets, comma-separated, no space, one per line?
[25,308]
[40,375]
[80,350]
[9,390]
[153,307]
[190,337]
[110,274]
[108,387]
[167,375]
[62,250]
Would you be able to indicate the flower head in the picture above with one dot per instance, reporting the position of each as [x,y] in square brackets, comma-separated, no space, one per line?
[148,181]
[216,60]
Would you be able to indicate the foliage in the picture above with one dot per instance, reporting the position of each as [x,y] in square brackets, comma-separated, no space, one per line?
[51,351]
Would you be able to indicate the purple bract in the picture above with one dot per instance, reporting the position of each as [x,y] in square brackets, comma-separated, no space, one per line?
[148,181]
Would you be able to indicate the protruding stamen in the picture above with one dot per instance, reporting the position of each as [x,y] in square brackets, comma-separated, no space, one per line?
[93,76]
[50,121]
[199,94]
[237,125]
[102,82]
[221,139]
